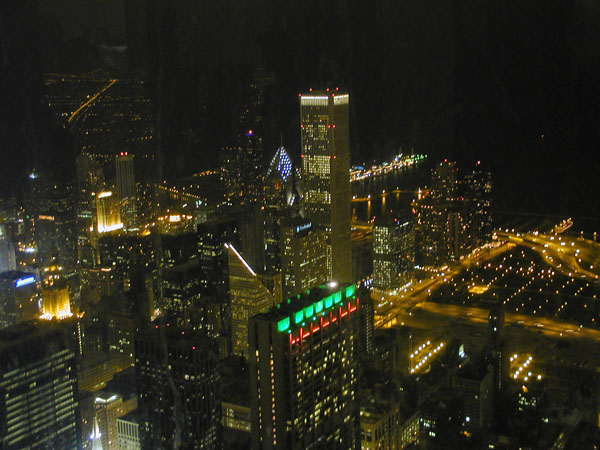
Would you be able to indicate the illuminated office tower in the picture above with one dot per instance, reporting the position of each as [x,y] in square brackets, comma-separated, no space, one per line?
[303,262]
[249,296]
[304,372]
[108,216]
[179,391]
[393,252]
[55,300]
[126,190]
[19,299]
[38,382]
[107,408]
[55,294]
[325,169]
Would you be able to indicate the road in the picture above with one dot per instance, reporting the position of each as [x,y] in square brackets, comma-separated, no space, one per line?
[394,304]
[546,325]
[572,256]
[90,100]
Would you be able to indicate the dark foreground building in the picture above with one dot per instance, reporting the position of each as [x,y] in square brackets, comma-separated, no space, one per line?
[38,388]
[178,389]
[303,372]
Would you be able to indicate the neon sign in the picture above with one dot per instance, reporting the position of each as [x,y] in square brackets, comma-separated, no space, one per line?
[25,281]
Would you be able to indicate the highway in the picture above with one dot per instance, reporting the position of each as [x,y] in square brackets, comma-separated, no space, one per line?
[90,100]
[572,256]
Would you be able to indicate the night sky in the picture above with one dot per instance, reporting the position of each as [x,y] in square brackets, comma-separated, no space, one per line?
[513,84]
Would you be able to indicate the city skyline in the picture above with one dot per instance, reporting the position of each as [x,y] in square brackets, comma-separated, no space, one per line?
[295,225]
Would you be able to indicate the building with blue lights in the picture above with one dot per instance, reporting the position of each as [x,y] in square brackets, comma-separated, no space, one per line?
[19,297]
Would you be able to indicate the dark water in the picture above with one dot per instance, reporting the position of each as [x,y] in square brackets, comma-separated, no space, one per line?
[399,187]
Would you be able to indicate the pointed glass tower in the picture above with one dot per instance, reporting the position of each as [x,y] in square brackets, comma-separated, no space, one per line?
[96,436]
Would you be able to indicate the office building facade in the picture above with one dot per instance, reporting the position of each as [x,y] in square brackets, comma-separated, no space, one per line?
[325,148]
[108,213]
[303,369]
[126,190]
[303,259]
[249,296]
[178,382]
[39,403]
[19,298]
[393,252]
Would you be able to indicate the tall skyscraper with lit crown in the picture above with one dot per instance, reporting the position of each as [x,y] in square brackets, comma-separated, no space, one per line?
[325,169]
[304,371]
[126,190]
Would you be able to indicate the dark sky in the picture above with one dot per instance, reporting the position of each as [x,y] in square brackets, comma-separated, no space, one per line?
[513,84]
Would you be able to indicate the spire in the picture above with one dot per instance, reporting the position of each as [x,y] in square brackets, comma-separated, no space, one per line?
[95,437]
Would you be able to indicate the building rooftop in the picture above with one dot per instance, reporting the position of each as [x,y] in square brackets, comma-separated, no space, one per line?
[292,312]
[15,275]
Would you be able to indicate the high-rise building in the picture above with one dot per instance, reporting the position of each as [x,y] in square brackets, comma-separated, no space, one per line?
[304,372]
[393,252]
[475,384]
[477,197]
[19,298]
[242,166]
[282,201]
[90,181]
[367,320]
[497,346]
[126,190]
[249,296]
[128,431]
[108,212]
[55,294]
[8,259]
[179,398]
[325,155]
[107,408]
[303,261]
[439,218]
[38,381]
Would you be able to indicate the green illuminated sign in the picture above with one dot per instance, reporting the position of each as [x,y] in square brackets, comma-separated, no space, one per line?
[308,311]
[337,297]
[317,307]
[350,290]
[283,324]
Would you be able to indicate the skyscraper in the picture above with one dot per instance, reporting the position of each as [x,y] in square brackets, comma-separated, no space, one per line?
[7,251]
[282,193]
[303,369]
[439,217]
[108,213]
[107,408]
[477,194]
[55,294]
[38,382]
[126,190]
[303,261]
[393,251]
[179,394]
[325,169]
[19,298]
[249,296]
